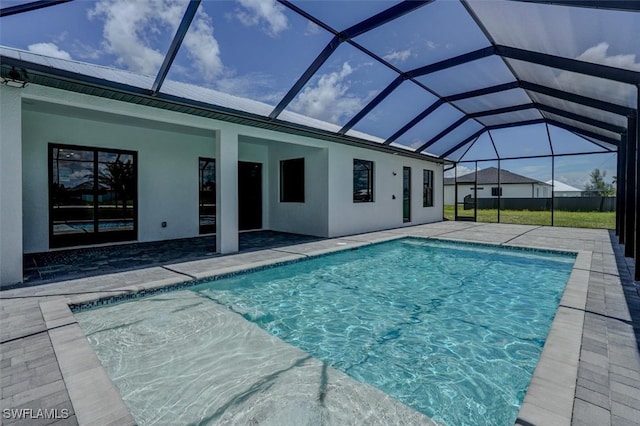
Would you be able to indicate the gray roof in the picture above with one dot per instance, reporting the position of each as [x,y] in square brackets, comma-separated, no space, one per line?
[489,176]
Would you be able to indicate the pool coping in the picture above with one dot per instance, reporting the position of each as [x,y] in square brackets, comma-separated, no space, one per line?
[549,398]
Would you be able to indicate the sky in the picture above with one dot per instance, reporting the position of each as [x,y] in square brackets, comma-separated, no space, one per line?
[257,49]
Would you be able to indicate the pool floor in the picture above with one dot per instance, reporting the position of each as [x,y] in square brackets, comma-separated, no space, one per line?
[457,341]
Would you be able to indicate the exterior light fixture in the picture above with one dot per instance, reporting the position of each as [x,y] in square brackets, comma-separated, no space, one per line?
[15,78]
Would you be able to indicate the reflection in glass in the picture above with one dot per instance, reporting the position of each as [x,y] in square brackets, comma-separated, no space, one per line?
[72,192]
[207,205]
[362,181]
[116,190]
[427,188]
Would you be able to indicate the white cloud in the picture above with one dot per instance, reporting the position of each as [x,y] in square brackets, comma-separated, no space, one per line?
[606,89]
[432,44]
[460,171]
[48,49]
[312,29]
[326,100]
[598,54]
[257,86]
[267,11]
[125,31]
[398,55]
[131,27]
[202,47]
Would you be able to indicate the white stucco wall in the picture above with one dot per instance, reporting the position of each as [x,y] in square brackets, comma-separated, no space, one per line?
[168,146]
[347,217]
[309,217]
[10,185]
[167,172]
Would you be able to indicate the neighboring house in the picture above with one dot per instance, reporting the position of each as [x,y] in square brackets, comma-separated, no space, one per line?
[561,189]
[511,185]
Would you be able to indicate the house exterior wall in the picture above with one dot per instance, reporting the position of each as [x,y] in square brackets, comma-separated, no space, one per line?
[310,217]
[169,145]
[509,190]
[347,217]
[167,173]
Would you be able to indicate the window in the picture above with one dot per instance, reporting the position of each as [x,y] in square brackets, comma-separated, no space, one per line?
[92,195]
[496,192]
[427,188]
[292,181]
[362,181]
[207,197]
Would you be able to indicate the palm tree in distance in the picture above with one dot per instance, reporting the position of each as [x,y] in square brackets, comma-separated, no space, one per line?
[119,177]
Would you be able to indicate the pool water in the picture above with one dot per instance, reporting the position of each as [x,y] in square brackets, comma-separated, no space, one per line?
[452,330]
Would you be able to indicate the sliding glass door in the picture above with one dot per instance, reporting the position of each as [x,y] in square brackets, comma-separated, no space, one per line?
[92,195]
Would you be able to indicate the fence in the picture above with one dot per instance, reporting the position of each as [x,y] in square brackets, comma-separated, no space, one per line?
[573,204]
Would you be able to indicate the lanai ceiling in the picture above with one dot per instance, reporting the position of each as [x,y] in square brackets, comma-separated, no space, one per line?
[433,77]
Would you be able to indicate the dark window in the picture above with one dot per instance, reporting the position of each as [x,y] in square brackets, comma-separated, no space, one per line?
[292,180]
[496,191]
[362,181]
[207,198]
[92,195]
[427,188]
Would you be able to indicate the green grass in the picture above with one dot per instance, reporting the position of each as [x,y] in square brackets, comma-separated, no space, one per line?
[600,220]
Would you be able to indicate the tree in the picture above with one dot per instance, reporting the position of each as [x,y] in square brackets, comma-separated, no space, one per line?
[598,185]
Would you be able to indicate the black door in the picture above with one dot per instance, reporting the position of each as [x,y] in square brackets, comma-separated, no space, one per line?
[249,195]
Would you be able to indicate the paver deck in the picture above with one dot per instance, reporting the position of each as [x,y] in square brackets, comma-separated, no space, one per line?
[589,373]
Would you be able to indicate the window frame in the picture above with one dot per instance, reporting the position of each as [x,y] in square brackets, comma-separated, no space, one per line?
[369,167]
[58,240]
[292,193]
[206,228]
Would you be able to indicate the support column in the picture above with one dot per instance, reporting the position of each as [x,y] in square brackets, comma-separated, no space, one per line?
[620,188]
[226,191]
[637,209]
[10,186]
[631,184]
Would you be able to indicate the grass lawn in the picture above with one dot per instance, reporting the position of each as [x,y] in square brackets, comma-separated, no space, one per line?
[603,220]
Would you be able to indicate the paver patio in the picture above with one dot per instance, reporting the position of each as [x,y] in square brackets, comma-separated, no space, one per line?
[46,363]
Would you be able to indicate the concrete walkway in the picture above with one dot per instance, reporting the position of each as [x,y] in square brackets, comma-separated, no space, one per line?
[589,372]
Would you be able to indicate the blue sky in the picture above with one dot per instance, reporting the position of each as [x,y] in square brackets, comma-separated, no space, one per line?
[258,49]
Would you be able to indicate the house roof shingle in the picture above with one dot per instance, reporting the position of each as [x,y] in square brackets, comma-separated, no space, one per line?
[490,176]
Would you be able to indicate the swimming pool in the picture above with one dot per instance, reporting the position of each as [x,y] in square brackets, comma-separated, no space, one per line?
[452,330]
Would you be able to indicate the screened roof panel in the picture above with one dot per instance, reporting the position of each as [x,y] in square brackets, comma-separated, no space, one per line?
[513,142]
[480,150]
[583,110]
[454,137]
[491,101]
[582,126]
[234,61]
[404,103]
[510,117]
[585,85]
[600,36]
[96,33]
[609,146]
[346,82]
[247,55]
[342,14]
[566,142]
[485,72]
[430,126]
[425,36]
